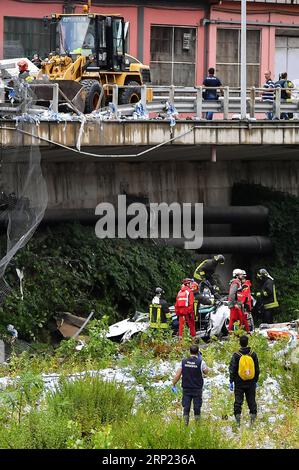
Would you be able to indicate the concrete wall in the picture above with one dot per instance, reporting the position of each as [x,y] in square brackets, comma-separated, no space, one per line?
[85,184]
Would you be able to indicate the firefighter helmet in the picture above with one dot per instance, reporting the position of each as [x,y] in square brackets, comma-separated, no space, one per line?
[262,273]
[194,286]
[219,258]
[159,290]
[23,65]
[237,272]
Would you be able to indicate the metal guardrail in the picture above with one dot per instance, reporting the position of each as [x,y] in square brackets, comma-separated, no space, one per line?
[184,99]
[191,100]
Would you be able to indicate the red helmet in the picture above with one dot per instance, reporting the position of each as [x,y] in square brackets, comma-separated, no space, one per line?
[187,280]
[23,65]
[194,286]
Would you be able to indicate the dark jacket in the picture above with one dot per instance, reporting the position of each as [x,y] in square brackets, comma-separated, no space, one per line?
[192,379]
[211,81]
[205,270]
[283,83]
[234,366]
[268,294]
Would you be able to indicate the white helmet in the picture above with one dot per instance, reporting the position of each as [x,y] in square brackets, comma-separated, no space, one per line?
[244,273]
[237,272]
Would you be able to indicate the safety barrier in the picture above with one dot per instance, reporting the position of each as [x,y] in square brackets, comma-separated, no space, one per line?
[181,99]
[191,100]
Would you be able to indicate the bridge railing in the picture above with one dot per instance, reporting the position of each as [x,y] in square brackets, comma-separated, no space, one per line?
[192,100]
[189,99]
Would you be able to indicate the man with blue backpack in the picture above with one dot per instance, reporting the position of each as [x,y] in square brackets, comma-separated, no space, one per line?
[244,373]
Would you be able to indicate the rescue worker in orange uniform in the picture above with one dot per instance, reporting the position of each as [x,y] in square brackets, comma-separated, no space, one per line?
[184,307]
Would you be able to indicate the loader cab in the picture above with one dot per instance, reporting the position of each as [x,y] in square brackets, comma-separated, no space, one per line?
[98,37]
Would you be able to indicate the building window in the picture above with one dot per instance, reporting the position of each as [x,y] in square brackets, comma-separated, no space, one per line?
[228,58]
[173,55]
[24,37]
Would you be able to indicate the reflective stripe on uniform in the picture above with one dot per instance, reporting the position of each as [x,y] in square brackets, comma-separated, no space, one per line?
[198,275]
[156,322]
[195,309]
[273,304]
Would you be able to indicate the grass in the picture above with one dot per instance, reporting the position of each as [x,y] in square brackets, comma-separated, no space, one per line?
[92,413]
[155,431]
[91,402]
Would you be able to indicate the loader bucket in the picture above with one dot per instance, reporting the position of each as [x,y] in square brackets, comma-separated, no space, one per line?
[70,89]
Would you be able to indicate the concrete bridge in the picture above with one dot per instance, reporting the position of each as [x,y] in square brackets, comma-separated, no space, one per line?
[156,140]
[190,162]
[194,161]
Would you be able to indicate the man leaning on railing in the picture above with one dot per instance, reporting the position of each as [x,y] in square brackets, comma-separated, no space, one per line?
[286,93]
[211,95]
[268,95]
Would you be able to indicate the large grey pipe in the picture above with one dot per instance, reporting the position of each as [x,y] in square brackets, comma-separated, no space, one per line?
[251,245]
[211,215]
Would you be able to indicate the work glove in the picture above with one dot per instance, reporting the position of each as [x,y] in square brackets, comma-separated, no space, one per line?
[174,389]
[231,386]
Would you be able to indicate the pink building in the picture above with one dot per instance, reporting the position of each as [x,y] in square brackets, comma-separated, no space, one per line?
[179,39]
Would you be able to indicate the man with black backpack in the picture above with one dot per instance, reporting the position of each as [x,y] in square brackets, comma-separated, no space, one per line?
[244,373]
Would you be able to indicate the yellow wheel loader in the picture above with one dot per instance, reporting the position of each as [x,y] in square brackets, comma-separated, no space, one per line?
[89,53]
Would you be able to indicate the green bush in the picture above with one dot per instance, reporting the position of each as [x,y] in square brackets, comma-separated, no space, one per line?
[283,263]
[67,268]
[91,402]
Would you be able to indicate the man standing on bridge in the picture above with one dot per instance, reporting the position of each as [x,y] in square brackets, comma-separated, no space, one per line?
[211,95]
[268,94]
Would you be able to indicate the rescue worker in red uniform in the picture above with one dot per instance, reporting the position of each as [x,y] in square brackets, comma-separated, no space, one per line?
[244,296]
[184,307]
[235,305]
[24,73]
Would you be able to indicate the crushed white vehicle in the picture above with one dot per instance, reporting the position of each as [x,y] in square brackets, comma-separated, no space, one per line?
[212,321]
[126,329]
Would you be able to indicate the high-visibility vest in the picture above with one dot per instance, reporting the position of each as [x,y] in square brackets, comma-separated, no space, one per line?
[195,309]
[273,304]
[199,274]
[158,318]
[184,301]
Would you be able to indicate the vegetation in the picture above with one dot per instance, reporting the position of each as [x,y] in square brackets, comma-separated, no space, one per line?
[283,229]
[69,269]
[87,411]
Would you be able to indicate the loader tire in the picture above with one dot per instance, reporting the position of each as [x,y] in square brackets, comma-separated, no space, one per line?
[94,93]
[130,95]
